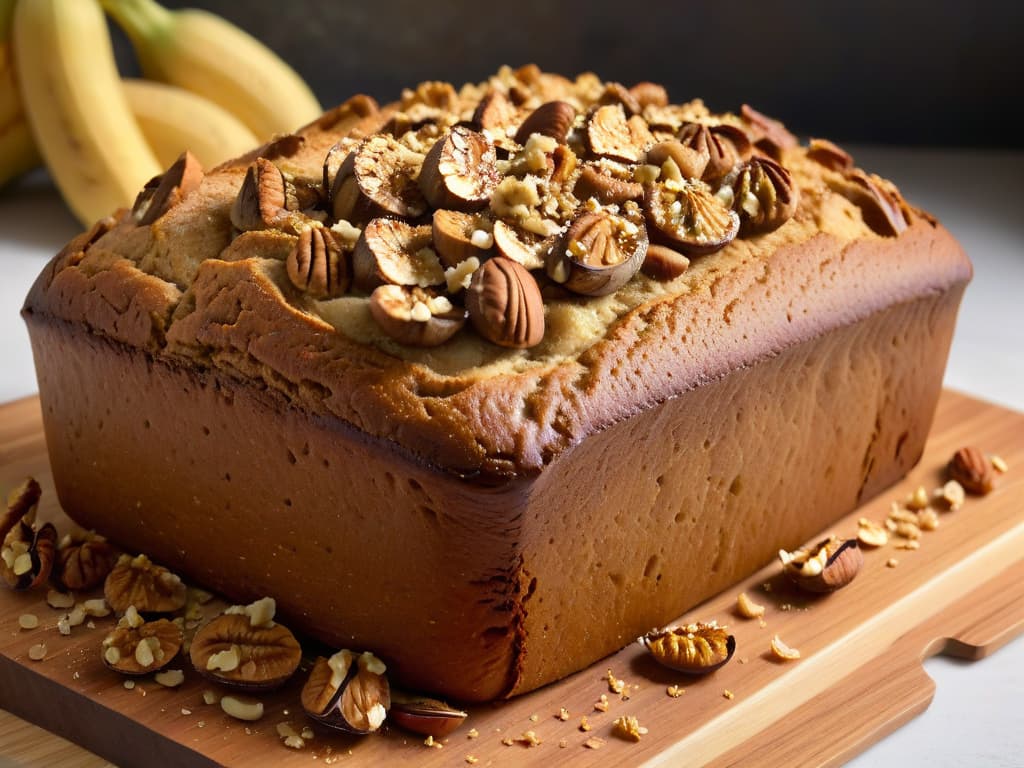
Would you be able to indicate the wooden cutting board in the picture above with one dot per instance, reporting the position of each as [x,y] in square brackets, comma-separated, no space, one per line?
[859,676]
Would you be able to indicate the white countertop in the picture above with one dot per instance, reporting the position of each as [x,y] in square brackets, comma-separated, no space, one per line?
[977,716]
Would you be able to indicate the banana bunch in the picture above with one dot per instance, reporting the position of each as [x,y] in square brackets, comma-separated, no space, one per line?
[210,88]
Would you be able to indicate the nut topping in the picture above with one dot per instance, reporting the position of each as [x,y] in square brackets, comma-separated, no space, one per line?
[649,95]
[552,119]
[459,236]
[164,192]
[689,216]
[414,316]
[826,153]
[694,649]
[523,247]
[27,555]
[384,173]
[495,113]
[234,651]
[21,506]
[317,265]
[611,135]
[348,692]
[600,184]
[829,565]
[663,263]
[599,254]
[617,93]
[138,647]
[689,161]
[84,561]
[764,196]
[391,251]
[460,171]
[972,470]
[737,138]
[149,587]
[505,304]
[769,135]
[262,201]
[722,155]
[423,715]
[880,203]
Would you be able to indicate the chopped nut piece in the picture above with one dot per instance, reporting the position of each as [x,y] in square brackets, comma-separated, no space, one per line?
[231,651]
[149,587]
[721,154]
[242,708]
[599,254]
[829,565]
[472,733]
[728,694]
[534,718]
[695,649]
[678,161]
[460,171]
[615,685]
[505,304]
[909,544]
[129,685]
[165,191]
[142,648]
[553,118]
[37,652]
[972,470]
[782,651]
[391,251]
[674,691]
[764,196]
[601,705]
[747,608]
[423,715]
[348,692]
[170,678]
[472,760]
[414,316]
[594,742]
[610,134]
[829,155]
[521,246]
[999,464]
[97,607]
[585,724]
[508,741]
[952,494]
[28,621]
[210,697]
[908,530]
[459,236]
[871,534]
[56,599]
[598,183]
[928,519]
[892,562]
[530,739]
[918,499]
[628,727]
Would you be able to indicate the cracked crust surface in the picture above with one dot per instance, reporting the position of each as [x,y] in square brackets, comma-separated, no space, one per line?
[185,291]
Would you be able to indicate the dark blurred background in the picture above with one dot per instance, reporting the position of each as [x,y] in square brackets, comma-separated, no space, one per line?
[940,73]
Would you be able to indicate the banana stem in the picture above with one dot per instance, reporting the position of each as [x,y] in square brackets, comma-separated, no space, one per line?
[144,21]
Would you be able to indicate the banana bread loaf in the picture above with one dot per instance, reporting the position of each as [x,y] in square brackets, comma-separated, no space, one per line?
[491,381]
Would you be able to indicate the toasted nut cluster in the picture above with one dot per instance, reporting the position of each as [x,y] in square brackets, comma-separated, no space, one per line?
[579,183]
[138,581]
[827,566]
[348,692]
[628,727]
[138,647]
[695,649]
[27,552]
[83,561]
[972,470]
[244,648]
[425,716]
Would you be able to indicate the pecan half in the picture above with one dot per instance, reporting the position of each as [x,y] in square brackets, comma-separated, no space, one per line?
[722,155]
[649,94]
[495,113]
[84,561]
[617,93]
[262,201]
[138,581]
[164,192]
[553,119]
[423,715]
[348,692]
[458,236]
[769,135]
[611,135]
[599,254]
[317,265]
[827,566]
[460,171]
[689,216]
[972,470]
[663,263]
[694,649]
[522,247]
[234,651]
[138,647]
[738,138]
[599,183]
[689,161]
[505,304]
[764,196]
[415,317]
[391,251]
[880,203]
[382,172]
[830,155]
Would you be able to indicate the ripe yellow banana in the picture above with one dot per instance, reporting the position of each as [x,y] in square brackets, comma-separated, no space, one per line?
[173,120]
[17,150]
[208,55]
[77,109]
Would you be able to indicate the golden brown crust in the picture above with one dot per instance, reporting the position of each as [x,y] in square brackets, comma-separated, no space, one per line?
[183,291]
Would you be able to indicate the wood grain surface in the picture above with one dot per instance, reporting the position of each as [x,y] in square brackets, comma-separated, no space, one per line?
[859,676]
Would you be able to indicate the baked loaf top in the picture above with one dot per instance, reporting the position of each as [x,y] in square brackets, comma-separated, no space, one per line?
[486,276]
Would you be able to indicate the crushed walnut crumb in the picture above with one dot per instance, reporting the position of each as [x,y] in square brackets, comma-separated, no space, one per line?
[674,691]
[563,714]
[594,742]
[728,694]
[628,727]
[892,562]
[585,724]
